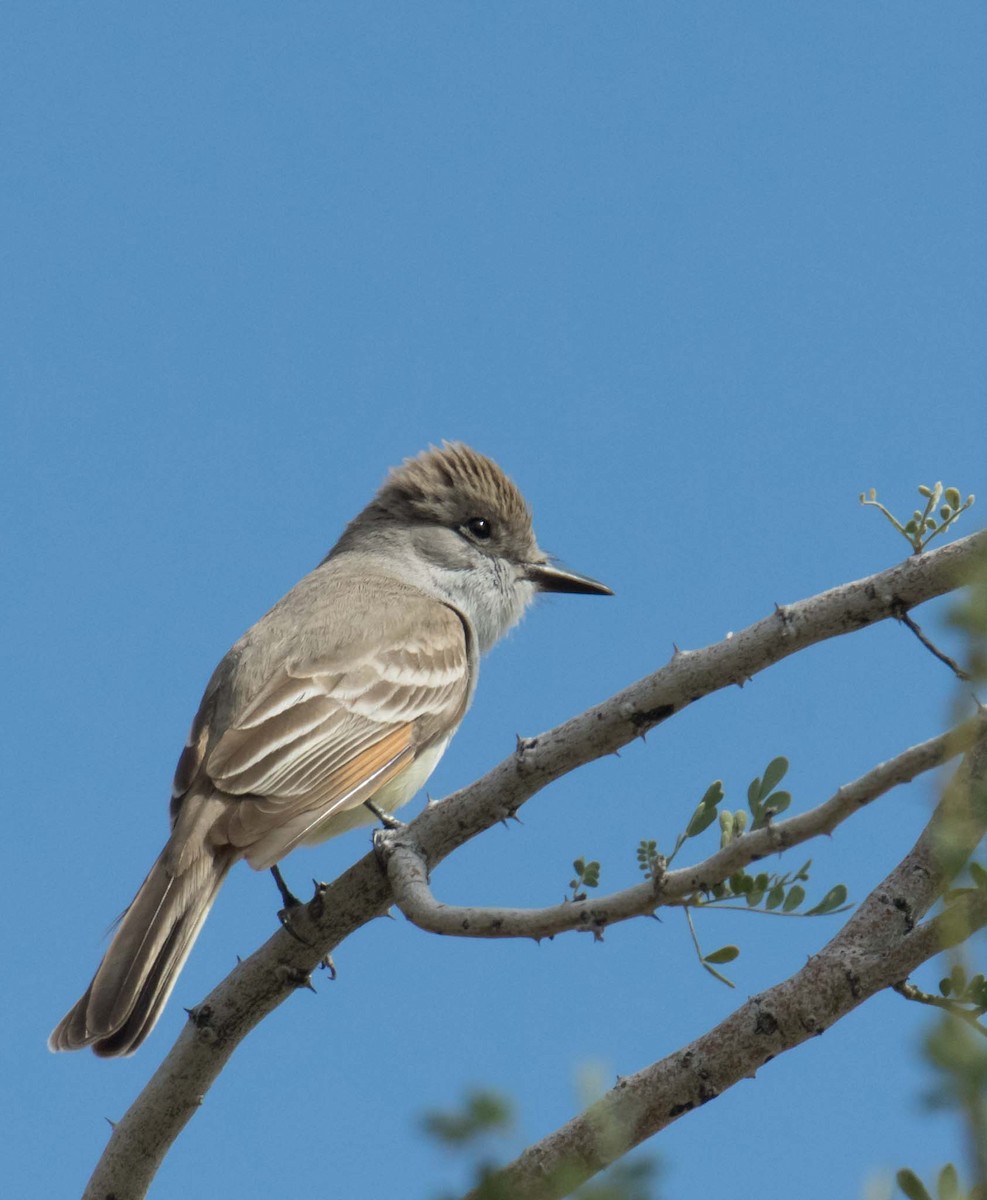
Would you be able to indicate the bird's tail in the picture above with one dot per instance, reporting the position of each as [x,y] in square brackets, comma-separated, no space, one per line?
[149,948]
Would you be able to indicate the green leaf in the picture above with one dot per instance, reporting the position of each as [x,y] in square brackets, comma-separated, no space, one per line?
[725,954]
[702,818]
[952,497]
[978,875]
[482,1113]
[773,775]
[775,897]
[794,898]
[911,1185]
[779,801]
[945,986]
[948,1183]
[713,971]
[833,899]
[754,793]
[714,793]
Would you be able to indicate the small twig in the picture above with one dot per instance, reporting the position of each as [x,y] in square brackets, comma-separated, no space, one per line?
[407,867]
[954,666]
[971,1016]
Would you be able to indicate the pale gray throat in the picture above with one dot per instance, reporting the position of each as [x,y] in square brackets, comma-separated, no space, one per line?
[492,596]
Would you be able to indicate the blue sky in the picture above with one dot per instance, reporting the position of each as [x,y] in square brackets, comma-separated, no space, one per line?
[696,275]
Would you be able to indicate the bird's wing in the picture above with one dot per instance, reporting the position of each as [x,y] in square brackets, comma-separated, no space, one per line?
[328,730]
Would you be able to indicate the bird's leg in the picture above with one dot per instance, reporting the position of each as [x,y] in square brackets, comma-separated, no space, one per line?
[288,897]
[388,820]
[287,914]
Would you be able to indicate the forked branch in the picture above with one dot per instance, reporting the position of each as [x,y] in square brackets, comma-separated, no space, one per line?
[258,985]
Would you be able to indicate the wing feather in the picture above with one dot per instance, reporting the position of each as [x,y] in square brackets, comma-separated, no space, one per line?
[321,734]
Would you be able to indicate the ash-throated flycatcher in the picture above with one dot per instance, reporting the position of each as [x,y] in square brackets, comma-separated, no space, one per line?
[346,692]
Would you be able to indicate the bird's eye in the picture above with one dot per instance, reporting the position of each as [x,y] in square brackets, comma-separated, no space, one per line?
[480,528]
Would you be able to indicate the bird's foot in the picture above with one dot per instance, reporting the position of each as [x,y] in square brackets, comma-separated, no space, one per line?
[288,897]
[388,820]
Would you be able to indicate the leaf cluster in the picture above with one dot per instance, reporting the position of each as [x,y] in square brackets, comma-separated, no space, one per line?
[942,507]
[763,802]
[947,1186]
[782,894]
[587,875]
[973,991]
[779,893]
[482,1113]
[485,1116]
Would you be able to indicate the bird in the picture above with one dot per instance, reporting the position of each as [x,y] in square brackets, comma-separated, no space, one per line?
[334,708]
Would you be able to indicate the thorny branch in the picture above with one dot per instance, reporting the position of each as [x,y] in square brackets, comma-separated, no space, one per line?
[257,986]
[877,947]
[408,874]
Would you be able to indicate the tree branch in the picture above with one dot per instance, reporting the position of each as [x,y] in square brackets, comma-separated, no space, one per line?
[876,948]
[258,985]
[407,868]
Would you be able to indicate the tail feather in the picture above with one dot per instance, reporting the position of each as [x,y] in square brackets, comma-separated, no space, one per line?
[150,946]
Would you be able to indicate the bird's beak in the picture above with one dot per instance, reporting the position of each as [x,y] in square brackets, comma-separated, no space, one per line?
[548,578]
